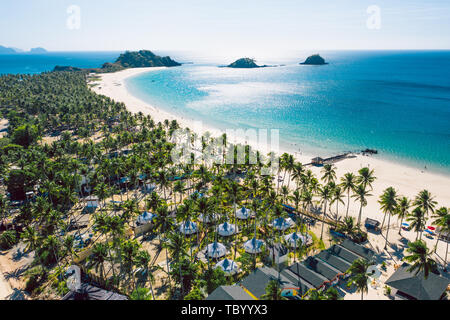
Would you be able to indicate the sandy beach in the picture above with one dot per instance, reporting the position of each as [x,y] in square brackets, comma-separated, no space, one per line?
[407,180]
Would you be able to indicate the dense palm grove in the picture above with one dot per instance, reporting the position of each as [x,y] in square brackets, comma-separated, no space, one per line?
[65,144]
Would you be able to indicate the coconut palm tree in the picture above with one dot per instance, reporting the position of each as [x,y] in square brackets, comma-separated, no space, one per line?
[337,197]
[325,195]
[361,194]
[402,210]
[98,258]
[143,260]
[388,202]
[178,250]
[444,226]
[417,219]
[359,276]
[273,291]
[425,201]
[31,238]
[420,258]
[348,183]
[366,177]
[329,173]
[440,216]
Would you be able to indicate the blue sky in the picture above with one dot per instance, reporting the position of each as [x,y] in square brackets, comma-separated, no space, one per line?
[227,25]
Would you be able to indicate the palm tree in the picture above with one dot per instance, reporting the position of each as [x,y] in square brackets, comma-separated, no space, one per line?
[273,291]
[337,197]
[366,177]
[143,260]
[425,201]
[440,221]
[31,238]
[361,195]
[98,258]
[178,250]
[420,258]
[348,183]
[325,194]
[234,191]
[445,228]
[417,219]
[329,173]
[359,276]
[402,210]
[388,202]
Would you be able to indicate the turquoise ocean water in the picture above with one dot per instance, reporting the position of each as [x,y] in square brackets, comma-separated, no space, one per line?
[395,102]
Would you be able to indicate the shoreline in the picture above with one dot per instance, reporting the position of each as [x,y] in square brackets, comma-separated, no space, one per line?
[407,180]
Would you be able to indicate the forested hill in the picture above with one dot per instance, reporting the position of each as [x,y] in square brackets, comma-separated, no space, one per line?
[129,59]
[144,58]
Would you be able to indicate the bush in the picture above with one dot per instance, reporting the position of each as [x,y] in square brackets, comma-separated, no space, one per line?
[36,276]
[195,294]
[359,236]
[387,290]
[25,135]
[8,239]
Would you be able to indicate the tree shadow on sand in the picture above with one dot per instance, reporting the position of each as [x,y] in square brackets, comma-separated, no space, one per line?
[16,274]
[16,295]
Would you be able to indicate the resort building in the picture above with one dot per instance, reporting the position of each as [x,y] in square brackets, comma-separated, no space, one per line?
[409,286]
[229,293]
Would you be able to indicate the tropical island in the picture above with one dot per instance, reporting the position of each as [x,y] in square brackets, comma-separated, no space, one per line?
[315,59]
[87,183]
[246,63]
[129,59]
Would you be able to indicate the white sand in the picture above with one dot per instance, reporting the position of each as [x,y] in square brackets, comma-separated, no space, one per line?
[5,288]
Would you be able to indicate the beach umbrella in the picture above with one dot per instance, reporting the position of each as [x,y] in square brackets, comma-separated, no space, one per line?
[229,267]
[206,219]
[145,218]
[282,224]
[405,224]
[294,238]
[188,227]
[243,213]
[215,250]
[227,229]
[431,228]
[253,246]
[429,231]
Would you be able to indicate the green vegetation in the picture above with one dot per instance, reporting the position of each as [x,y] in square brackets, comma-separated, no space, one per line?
[244,63]
[144,58]
[129,59]
[315,59]
[65,145]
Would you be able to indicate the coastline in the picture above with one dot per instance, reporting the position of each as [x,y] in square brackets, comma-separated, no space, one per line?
[407,180]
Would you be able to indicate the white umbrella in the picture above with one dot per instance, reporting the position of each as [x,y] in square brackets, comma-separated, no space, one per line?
[215,250]
[206,219]
[243,213]
[188,227]
[282,224]
[296,239]
[145,218]
[253,245]
[227,229]
[228,266]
